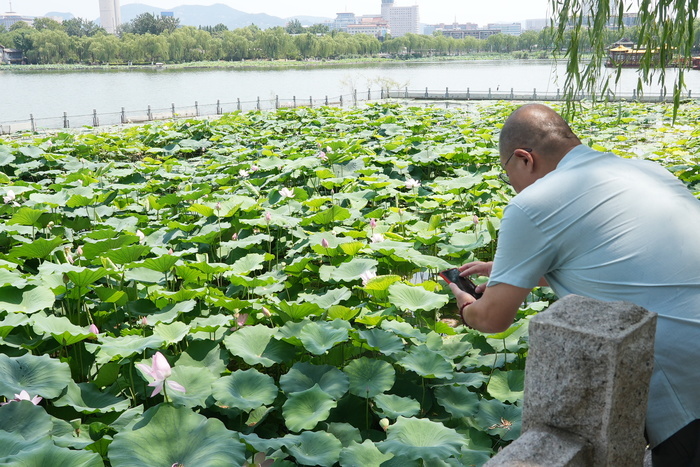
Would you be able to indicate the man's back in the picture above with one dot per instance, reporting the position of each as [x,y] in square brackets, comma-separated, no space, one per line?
[616,229]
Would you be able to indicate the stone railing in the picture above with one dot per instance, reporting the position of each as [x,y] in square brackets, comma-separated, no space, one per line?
[586,386]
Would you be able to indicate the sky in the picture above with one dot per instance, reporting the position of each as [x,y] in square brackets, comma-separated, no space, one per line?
[431,11]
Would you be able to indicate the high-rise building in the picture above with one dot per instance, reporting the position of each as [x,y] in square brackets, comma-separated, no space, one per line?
[512,29]
[110,15]
[403,20]
[386,6]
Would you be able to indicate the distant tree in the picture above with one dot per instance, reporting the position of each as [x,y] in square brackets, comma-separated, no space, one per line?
[147,23]
[20,25]
[294,27]
[43,23]
[104,48]
[221,27]
[234,46]
[307,44]
[318,29]
[50,46]
[80,27]
[153,47]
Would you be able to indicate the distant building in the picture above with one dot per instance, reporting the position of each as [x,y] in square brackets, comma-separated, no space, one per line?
[370,25]
[403,20]
[343,20]
[512,29]
[10,18]
[462,33]
[11,56]
[167,14]
[110,15]
[536,24]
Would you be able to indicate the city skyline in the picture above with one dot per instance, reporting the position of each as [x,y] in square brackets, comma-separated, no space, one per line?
[431,11]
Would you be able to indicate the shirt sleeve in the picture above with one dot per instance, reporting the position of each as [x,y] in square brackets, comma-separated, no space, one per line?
[524,253]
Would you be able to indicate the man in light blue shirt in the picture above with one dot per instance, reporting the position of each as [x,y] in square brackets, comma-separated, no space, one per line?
[597,225]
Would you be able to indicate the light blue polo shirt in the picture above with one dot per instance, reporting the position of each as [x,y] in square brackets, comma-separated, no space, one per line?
[615,229]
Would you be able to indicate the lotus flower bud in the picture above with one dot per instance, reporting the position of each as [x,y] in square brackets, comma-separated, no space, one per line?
[324,243]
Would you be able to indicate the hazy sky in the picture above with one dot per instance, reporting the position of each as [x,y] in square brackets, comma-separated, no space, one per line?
[431,11]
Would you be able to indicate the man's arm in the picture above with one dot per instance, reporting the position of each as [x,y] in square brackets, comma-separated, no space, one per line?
[495,310]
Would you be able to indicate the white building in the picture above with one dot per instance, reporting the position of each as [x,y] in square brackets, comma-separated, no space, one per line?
[403,20]
[110,15]
[536,24]
[512,29]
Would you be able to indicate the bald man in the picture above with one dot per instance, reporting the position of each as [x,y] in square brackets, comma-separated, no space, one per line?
[597,225]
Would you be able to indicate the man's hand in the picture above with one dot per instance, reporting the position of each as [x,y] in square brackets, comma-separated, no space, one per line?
[479,268]
[463,298]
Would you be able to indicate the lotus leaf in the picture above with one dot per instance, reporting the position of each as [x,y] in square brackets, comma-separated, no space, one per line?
[168,435]
[39,376]
[245,390]
[303,376]
[416,438]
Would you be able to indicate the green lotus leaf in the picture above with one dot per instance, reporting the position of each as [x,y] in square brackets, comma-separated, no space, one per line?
[417,438]
[14,443]
[297,311]
[303,376]
[378,287]
[393,406]
[204,354]
[205,211]
[197,382]
[144,275]
[87,398]
[11,322]
[304,410]
[12,278]
[500,419]
[256,345]
[345,432]
[347,272]
[172,333]
[383,341]
[319,337]
[427,363]
[24,419]
[47,453]
[410,298]
[507,386]
[170,312]
[210,323]
[245,390]
[86,276]
[459,401]
[39,376]
[112,248]
[26,216]
[109,295]
[250,262]
[327,216]
[369,378]
[28,300]
[111,348]
[363,454]
[161,264]
[39,248]
[60,327]
[315,448]
[126,254]
[169,435]
[328,299]
[342,312]
[403,329]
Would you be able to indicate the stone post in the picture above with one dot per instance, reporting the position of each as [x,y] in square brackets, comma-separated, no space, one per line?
[587,375]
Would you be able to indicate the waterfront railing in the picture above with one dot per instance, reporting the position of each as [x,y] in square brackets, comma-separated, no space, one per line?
[447,96]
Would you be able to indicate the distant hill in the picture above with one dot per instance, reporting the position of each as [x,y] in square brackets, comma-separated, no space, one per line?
[193,15]
[56,14]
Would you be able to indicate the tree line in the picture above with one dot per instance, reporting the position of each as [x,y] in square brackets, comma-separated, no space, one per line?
[150,38]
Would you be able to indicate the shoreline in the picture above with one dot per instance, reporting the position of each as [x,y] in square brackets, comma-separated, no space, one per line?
[264,64]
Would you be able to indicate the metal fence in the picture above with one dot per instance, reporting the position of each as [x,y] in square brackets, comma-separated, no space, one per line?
[128,116]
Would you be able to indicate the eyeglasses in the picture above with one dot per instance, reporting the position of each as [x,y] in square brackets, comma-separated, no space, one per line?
[504,176]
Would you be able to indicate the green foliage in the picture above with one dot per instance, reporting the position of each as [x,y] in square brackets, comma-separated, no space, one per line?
[293,333]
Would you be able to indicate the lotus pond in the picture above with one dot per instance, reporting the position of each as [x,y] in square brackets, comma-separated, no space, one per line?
[261,289]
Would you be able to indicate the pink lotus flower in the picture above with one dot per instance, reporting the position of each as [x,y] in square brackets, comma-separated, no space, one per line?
[218,205]
[170,251]
[266,313]
[367,276]
[286,193]
[324,243]
[268,217]
[93,329]
[243,173]
[24,396]
[254,168]
[322,156]
[373,223]
[475,219]
[259,460]
[79,251]
[159,371]
[241,319]
[234,237]
[144,321]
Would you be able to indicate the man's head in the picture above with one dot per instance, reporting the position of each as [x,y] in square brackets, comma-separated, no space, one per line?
[533,140]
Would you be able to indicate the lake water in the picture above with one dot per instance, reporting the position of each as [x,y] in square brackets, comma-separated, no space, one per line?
[47,95]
